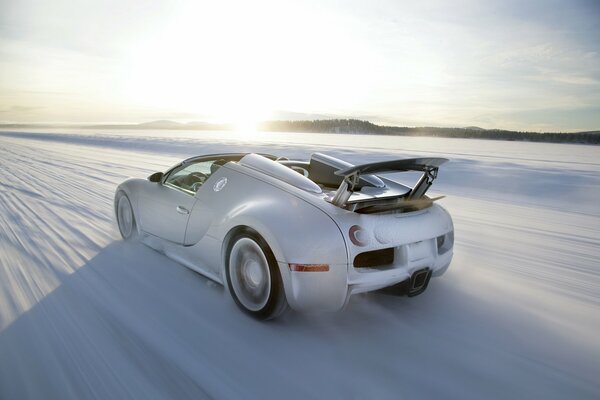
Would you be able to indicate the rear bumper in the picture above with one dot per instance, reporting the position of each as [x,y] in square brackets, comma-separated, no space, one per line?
[369,280]
[330,291]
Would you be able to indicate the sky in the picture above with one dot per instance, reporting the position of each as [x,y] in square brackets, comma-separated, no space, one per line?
[523,65]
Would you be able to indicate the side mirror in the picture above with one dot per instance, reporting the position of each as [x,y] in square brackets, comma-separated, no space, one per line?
[156,177]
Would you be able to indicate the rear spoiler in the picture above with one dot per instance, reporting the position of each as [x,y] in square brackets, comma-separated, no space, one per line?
[429,167]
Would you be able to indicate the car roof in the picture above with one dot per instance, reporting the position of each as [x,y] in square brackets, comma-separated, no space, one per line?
[225,156]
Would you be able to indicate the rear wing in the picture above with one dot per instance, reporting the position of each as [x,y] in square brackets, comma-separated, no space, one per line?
[429,167]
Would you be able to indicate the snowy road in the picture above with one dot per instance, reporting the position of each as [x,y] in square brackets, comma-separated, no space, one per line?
[85,316]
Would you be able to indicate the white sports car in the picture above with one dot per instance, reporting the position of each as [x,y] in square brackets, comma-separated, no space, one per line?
[279,232]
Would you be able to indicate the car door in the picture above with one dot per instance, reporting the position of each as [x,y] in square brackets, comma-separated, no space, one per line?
[165,207]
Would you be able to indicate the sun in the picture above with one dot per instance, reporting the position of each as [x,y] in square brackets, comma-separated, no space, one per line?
[246,127]
[244,116]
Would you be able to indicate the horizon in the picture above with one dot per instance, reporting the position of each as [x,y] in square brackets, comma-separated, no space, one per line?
[259,126]
[499,65]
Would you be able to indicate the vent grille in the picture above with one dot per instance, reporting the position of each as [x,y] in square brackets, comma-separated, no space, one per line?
[375,258]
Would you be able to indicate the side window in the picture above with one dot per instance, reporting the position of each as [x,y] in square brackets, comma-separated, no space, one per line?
[190,177]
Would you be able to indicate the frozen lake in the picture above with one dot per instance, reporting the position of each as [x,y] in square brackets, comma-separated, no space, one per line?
[84,315]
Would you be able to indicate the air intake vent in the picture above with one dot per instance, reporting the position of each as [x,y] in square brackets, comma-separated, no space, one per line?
[375,258]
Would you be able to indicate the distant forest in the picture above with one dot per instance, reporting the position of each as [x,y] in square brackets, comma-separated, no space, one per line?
[352,126]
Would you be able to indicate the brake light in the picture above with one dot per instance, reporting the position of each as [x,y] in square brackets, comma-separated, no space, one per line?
[358,236]
[309,267]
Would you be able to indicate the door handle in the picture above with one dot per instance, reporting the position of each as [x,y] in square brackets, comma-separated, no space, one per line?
[182,210]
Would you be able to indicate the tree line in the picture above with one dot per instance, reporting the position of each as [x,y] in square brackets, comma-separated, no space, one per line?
[355,126]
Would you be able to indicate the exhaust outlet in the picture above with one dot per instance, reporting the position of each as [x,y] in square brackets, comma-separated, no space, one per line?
[419,281]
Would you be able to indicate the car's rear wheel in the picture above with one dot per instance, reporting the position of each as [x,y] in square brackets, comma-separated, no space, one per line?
[125,217]
[254,279]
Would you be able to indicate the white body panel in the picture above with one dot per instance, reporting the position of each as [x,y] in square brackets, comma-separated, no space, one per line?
[299,226]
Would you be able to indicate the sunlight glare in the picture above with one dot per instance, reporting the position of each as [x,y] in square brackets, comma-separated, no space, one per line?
[240,67]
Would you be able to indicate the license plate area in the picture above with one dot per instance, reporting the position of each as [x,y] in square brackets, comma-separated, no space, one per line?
[419,250]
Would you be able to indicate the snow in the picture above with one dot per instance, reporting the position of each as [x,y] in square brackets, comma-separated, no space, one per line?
[85,315]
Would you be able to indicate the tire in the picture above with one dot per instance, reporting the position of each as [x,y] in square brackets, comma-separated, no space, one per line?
[253,277]
[125,217]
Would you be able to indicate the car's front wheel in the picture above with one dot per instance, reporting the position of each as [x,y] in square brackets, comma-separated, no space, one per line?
[254,279]
[125,217]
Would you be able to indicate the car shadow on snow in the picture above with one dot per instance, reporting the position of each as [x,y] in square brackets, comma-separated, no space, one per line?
[132,323]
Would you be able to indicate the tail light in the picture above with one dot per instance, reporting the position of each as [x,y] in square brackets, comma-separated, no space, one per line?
[358,236]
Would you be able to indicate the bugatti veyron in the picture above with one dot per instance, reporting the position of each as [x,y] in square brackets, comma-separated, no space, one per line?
[279,232]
